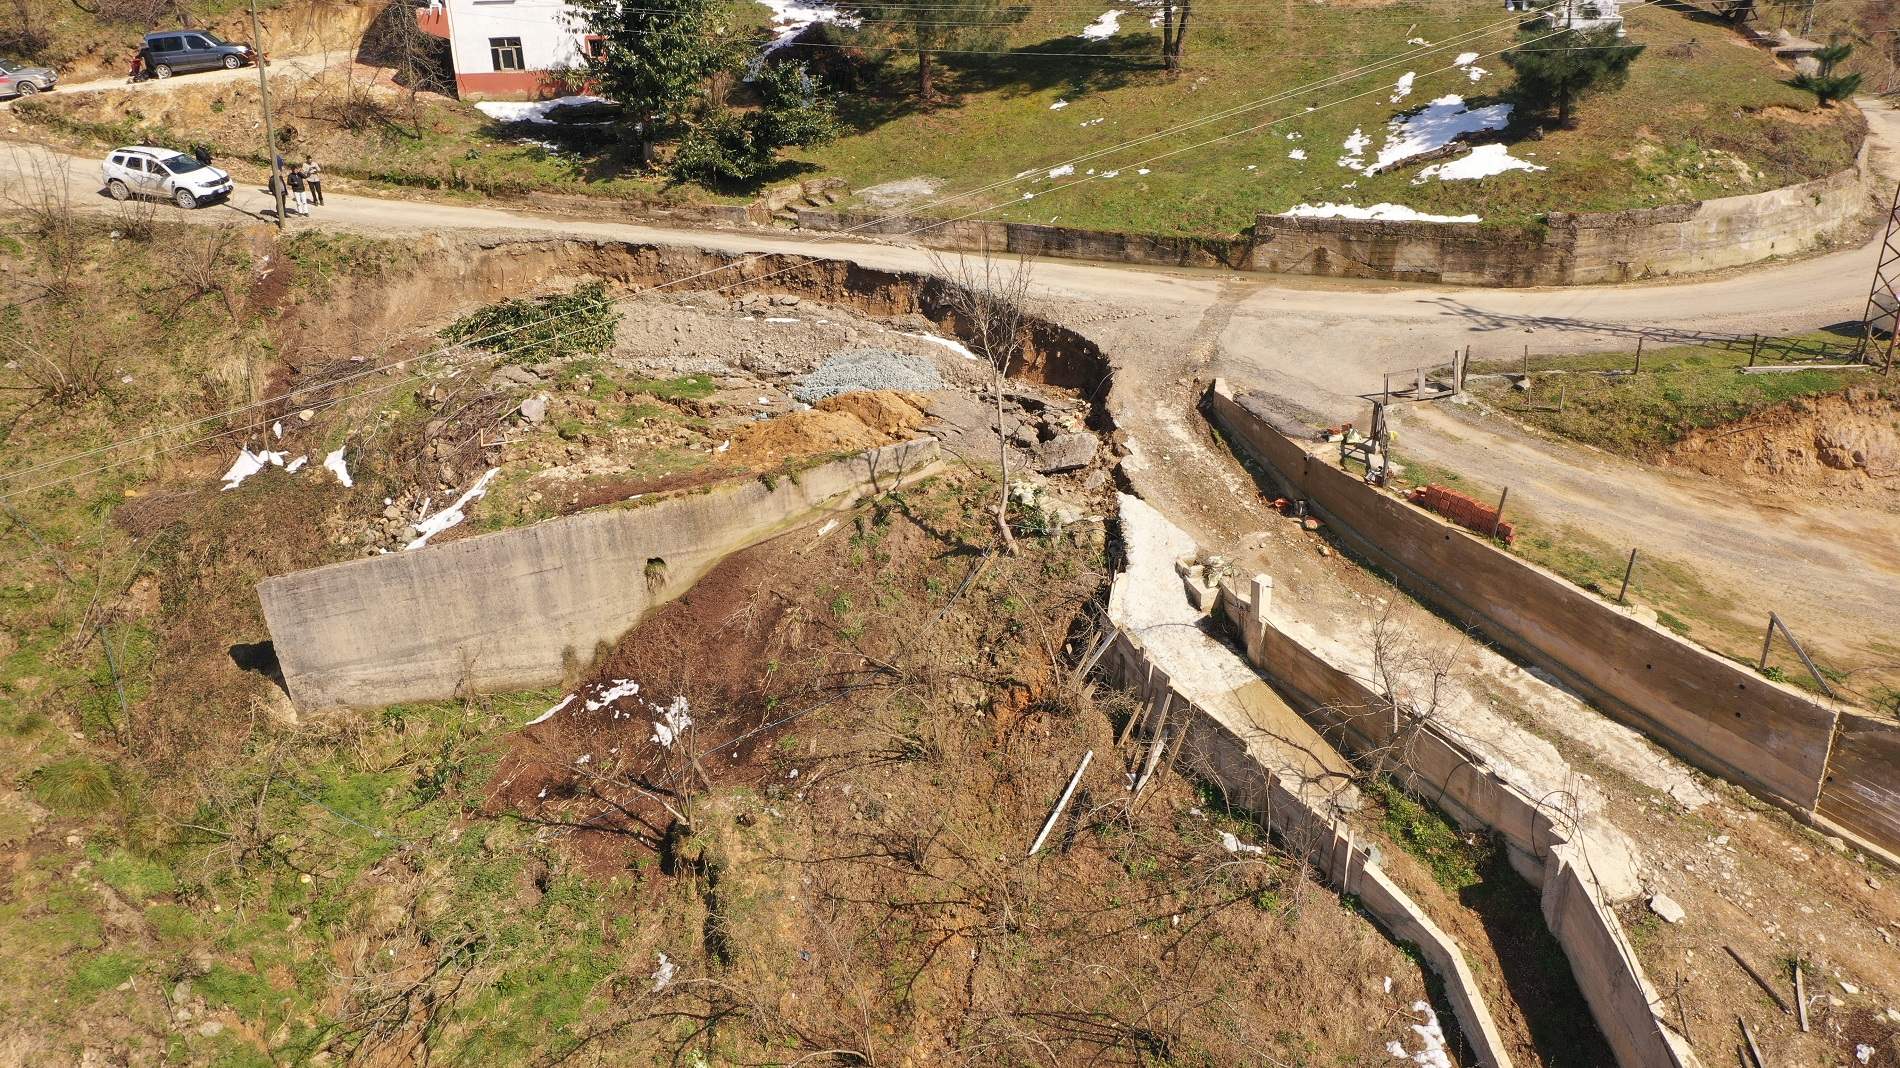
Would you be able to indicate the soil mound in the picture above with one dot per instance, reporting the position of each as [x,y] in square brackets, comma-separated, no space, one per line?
[814,433]
[885,411]
[1841,444]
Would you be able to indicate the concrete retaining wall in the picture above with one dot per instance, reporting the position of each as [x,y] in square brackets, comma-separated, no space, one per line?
[1772,739]
[1574,249]
[522,608]
[1566,249]
[1550,852]
[1300,820]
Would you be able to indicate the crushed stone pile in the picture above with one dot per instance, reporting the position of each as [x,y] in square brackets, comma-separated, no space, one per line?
[858,370]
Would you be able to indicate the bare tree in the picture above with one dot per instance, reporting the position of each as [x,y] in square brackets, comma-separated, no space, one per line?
[1413,680]
[1175,16]
[990,299]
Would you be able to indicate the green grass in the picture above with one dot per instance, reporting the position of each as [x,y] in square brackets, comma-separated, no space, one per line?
[1426,834]
[1680,389]
[1693,122]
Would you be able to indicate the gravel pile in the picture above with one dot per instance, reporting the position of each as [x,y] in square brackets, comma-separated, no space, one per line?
[864,369]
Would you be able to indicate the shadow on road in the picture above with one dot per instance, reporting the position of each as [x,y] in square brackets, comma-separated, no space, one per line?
[1793,348]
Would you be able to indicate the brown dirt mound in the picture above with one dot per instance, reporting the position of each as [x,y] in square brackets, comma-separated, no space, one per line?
[769,444]
[1842,444]
[883,410]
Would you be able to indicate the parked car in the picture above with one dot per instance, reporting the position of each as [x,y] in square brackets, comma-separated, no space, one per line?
[159,172]
[170,52]
[18,79]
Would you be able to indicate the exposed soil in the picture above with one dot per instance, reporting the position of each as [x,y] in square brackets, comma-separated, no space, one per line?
[1838,446]
[882,737]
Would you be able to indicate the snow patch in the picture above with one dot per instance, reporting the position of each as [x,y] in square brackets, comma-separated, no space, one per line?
[673,722]
[1432,1052]
[453,514]
[1298,153]
[1232,843]
[1403,87]
[549,714]
[1434,126]
[1465,59]
[1481,162]
[663,975]
[1356,144]
[952,344]
[296,465]
[334,464]
[249,463]
[1380,212]
[530,110]
[619,689]
[789,19]
[1063,171]
[1104,27]
[1057,106]
[781,319]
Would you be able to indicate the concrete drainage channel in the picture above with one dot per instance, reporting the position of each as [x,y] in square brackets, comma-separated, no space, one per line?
[1164,612]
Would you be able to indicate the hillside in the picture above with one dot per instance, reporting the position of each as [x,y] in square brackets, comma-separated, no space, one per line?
[1704,114]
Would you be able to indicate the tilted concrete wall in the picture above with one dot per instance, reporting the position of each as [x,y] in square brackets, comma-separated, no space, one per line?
[1574,248]
[522,608]
[1037,239]
[1546,848]
[1772,739]
[1297,814]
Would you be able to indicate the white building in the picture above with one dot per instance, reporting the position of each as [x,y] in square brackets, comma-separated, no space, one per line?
[506,48]
[1572,14]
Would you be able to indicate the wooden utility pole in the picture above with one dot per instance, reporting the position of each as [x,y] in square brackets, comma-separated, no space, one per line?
[277,187]
[1622,595]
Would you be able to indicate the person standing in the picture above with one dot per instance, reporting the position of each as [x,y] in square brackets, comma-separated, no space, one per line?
[279,191]
[313,174]
[300,191]
[138,66]
[202,154]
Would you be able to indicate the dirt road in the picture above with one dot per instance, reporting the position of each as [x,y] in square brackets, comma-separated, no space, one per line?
[1320,343]
[301,65]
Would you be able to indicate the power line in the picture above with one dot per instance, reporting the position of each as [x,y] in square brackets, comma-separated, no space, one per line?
[928,225]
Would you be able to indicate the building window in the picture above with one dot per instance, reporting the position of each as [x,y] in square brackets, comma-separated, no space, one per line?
[596,47]
[506,52]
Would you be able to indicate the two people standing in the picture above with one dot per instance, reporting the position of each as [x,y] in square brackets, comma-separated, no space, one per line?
[303,186]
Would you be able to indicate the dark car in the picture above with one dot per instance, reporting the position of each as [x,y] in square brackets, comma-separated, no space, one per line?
[18,79]
[172,52]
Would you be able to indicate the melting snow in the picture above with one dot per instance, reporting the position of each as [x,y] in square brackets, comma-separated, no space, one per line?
[333,463]
[296,465]
[249,463]
[1416,41]
[529,111]
[1063,171]
[1141,170]
[620,688]
[1092,122]
[1481,162]
[781,319]
[1104,27]
[1384,212]
[277,430]
[1432,127]
[1233,844]
[673,721]
[1057,106]
[1403,88]
[1298,153]
[453,514]
[830,525]
[663,975]
[789,19]
[1356,144]
[1432,1052]
[1111,174]
[545,716]
[1465,59]
[952,344]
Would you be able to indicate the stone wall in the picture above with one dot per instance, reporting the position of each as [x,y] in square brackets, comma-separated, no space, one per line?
[1774,740]
[1571,248]
[528,607]
[1566,249]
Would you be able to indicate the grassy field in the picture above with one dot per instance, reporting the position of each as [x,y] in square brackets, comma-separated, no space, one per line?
[1681,389]
[1703,115]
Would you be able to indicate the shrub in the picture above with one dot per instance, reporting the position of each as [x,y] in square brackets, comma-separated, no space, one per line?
[580,323]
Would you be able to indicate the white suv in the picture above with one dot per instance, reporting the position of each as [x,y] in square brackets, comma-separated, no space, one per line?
[160,172]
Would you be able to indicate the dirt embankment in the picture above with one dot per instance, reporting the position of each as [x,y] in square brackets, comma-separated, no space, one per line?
[295,27]
[1844,445]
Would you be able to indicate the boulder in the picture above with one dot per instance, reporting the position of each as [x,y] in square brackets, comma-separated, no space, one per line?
[1066,452]
[535,409]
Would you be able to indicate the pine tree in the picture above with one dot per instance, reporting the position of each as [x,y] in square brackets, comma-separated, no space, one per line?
[661,59]
[1826,85]
[1555,71]
[938,25]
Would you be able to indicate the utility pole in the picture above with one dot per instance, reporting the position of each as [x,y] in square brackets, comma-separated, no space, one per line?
[1883,296]
[270,130]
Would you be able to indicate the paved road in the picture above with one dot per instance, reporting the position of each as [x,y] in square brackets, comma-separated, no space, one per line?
[1320,344]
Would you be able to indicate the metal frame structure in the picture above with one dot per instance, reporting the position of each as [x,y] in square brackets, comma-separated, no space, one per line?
[1886,284]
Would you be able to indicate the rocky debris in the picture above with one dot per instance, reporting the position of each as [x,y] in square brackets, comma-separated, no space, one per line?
[1066,452]
[1666,907]
[514,374]
[867,369]
[534,410]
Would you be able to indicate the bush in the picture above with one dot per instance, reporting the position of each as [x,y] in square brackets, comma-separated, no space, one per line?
[580,323]
[728,147]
